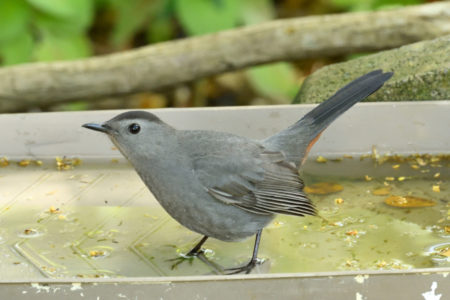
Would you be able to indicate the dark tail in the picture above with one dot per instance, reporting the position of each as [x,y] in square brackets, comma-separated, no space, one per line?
[296,140]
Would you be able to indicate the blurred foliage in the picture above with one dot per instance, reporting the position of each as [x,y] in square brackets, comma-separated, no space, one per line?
[51,30]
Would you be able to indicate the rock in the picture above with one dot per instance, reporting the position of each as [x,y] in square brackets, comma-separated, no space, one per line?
[422,72]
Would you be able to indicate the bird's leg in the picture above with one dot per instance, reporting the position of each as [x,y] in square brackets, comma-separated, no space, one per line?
[253,261]
[197,250]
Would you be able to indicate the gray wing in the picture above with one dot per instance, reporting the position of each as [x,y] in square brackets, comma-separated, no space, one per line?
[258,180]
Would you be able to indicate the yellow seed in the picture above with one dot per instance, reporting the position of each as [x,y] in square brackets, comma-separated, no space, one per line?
[338,200]
[408,201]
[445,252]
[337,159]
[367,178]
[435,159]
[386,183]
[54,210]
[421,161]
[352,232]
[323,188]
[30,231]
[24,162]
[395,166]
[277,223]
[321,159]
[390,178]
[401,178]
[348,156]
[382,191]
[374,154]
[437,175]
[364,156]
[381,264]
[436,188]
[4,162]
[95,253]
[415,167]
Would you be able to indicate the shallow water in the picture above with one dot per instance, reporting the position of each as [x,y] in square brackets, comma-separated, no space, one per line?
[99,220]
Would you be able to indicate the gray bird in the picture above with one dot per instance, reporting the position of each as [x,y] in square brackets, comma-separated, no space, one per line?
[223,185]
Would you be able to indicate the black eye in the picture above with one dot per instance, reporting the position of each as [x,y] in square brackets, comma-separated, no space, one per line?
[134,128]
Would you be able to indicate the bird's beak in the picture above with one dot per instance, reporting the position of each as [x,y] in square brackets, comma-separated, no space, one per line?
[96,127]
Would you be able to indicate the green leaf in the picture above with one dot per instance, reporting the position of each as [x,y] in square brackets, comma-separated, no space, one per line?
[131,17]
[13,18]
[257,11]
[73,11]
[17,50]
[356,5]
[382,4]
[74,106]
[160,29]
[278,81]
[54,48]
[49,25]
[207,16]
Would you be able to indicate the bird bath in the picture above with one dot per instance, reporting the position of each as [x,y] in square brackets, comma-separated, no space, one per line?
[76,219]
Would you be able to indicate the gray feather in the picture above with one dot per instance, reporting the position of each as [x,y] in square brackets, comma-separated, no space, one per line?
[251,177]
[295,140]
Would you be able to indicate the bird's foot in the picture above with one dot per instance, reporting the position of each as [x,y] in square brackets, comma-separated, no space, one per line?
[189,257]
[244,269]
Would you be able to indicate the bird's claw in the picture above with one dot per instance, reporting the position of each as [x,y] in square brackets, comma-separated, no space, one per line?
[184,257]
[244,269]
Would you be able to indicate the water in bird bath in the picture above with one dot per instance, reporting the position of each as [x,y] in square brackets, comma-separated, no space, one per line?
[97,219]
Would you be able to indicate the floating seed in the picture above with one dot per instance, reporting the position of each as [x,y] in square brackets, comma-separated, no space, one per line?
[321,159]
[445,252]
[30,231]
[367,178]
[96,253]
[24,162]
[323,188]
[338,200]
[338,159]
[4,162]
[408,201]
[54,210]
[421,162]
[384,191]
[67,163]
[436,188]
[352,232]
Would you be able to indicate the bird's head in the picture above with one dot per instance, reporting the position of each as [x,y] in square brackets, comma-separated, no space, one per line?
[136,133]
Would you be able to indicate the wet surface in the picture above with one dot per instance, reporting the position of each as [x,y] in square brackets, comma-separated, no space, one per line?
[98,220]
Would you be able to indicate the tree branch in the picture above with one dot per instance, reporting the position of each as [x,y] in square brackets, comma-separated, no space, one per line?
[174,62]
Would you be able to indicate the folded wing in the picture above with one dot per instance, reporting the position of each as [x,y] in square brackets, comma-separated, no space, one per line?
[262,182]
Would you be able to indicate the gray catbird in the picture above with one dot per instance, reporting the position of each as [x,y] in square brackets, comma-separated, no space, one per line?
[222,185]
